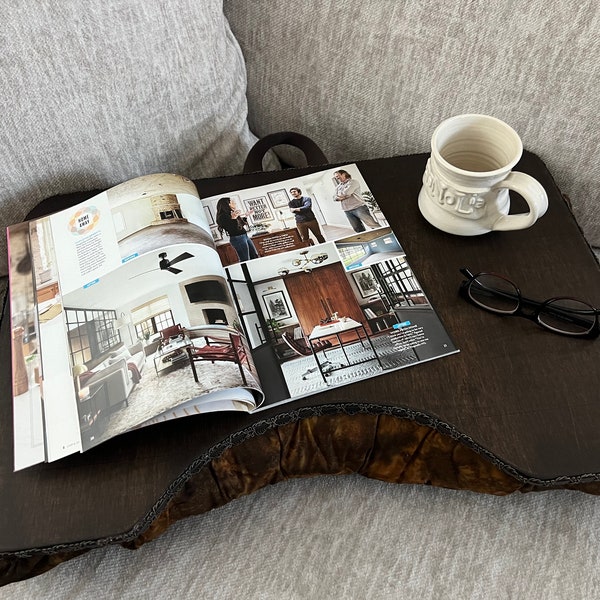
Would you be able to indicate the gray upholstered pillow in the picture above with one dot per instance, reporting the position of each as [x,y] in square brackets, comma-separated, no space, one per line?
[93,93]
[374,78]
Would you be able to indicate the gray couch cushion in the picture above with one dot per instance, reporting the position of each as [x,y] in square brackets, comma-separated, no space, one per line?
[94,93]
[370,79]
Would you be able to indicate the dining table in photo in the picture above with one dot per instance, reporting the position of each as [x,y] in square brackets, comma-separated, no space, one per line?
[336,329]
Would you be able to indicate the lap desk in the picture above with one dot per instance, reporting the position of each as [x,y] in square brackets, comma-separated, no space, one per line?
[517,409]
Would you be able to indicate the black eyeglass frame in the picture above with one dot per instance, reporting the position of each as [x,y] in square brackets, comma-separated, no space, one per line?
[536,307]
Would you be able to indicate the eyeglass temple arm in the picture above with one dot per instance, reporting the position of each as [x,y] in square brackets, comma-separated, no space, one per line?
[566,310]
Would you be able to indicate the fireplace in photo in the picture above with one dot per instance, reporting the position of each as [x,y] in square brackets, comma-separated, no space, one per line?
[215,316]
[166,209]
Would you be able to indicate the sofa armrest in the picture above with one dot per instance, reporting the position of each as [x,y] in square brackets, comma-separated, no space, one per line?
[135,348]
[115,377]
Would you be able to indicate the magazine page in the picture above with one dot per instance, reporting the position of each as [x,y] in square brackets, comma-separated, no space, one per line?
[132,308]
[325,291]
[28,421]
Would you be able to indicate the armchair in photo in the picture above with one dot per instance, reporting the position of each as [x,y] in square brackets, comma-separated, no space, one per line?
[169,333]
[300,346]
[218,348]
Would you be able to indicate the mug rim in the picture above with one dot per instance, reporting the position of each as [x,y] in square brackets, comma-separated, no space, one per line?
[435,150]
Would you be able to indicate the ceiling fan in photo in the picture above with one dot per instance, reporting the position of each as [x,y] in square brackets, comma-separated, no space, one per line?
[164,264]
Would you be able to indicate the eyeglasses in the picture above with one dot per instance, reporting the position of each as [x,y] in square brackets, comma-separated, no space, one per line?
[564,315]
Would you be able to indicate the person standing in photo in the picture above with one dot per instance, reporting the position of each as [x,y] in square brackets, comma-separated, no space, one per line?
[348,193]
[231,220]
[306,221]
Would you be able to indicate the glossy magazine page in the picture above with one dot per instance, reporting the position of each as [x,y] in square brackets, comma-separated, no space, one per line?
[122,294]
[326,293]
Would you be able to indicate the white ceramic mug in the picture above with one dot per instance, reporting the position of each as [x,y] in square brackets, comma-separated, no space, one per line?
[467,178]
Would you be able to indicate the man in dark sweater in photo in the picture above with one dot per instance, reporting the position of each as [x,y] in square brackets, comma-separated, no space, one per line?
[306,221]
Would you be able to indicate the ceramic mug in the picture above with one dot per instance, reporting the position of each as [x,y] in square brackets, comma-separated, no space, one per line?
[468,176]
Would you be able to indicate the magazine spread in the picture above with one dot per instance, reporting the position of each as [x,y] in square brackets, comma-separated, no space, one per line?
[147,303]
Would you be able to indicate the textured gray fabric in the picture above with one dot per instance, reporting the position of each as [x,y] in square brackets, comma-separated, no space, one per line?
[147,85]
[352,538]
[94,93]
[371,79]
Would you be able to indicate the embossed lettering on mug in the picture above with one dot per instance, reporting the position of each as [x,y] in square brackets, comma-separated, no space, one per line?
[469,206]
[467,178]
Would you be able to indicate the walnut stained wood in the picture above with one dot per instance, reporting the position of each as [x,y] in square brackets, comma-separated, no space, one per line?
[328,283]
[516,409]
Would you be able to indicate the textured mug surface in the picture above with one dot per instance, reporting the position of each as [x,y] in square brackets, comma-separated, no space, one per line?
[469,174]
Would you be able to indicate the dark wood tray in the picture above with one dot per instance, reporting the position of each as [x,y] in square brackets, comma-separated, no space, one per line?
[516,409]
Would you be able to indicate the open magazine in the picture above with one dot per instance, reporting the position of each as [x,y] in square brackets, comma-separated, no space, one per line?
[146,303]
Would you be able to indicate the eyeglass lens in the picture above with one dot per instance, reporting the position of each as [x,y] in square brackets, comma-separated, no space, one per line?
[494,293]
[567,315]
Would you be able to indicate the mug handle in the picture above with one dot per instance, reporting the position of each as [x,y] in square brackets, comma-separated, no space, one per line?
[533,193]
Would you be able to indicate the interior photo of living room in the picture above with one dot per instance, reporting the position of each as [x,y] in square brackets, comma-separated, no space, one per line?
[322,324]
[153,346]
[154,315]
[152,212]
